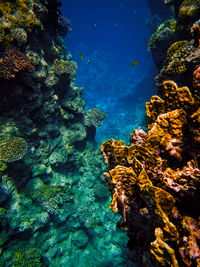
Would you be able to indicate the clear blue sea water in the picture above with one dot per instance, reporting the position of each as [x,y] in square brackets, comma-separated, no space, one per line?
[106,38]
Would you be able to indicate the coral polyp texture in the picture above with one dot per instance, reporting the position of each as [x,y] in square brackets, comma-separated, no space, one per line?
[155,180]
[14,61]
[13,149]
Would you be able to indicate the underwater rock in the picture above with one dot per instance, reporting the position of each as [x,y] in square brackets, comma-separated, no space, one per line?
[80,239]
[47,166]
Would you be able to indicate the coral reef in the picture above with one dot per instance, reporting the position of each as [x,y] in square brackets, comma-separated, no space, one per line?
[19,14]
[27,257]
[155,181]
[13,149]
[94,117]
[161,39]
[14,61]
[53,200]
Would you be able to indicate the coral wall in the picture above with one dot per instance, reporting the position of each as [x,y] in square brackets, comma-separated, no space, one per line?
[51,191]
[155,181]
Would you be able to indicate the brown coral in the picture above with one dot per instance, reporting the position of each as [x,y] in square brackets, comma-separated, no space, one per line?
[162,251]
[12,62]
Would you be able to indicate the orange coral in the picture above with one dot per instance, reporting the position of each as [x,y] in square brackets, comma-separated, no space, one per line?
[173,98]
[147,191]
[166,134]
[122,181]
[196,78]
[190,251]
[162,251]
[195,30]
[187,179]
[13,62]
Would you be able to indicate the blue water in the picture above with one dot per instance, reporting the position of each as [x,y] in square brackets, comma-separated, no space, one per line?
[109,36]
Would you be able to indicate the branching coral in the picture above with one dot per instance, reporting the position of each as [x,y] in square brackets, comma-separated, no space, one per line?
[12,62]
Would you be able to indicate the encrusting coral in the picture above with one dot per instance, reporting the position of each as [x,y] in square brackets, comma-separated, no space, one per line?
[13,149]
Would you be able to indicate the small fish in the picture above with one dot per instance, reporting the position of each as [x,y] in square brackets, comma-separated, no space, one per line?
[81,56]
[95,25]
[134,63]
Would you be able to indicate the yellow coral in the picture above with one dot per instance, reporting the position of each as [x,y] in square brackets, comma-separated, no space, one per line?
[167,132]
[176,63]
[163,253]
[122,179]
[13,149]
[173,98]
[19,13]
[155,107]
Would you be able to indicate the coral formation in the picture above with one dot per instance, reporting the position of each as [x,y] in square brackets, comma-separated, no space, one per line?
[51,189]
[27,257]
[155,181]
[12,62]
[176,63]
[94,117]
[161,39]
[13,149]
